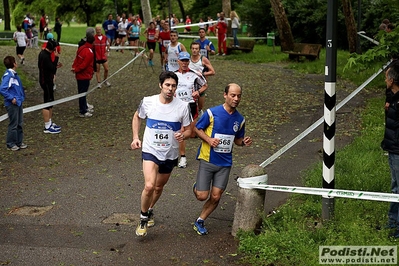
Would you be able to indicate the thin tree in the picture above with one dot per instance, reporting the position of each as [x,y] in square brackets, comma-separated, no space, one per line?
[284,28]
[183,12]
[146,8]
[7,24]
[226,7]
[351,31]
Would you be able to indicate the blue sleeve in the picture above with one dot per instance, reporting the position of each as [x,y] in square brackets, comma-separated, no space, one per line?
[203,122]
[4,88]
[241,133]
[212,47]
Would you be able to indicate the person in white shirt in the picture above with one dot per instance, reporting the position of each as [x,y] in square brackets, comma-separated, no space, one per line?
[235,24]
[165,116]
[172,51]
[21,39]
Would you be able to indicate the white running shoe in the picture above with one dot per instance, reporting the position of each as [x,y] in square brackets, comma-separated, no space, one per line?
[183,162]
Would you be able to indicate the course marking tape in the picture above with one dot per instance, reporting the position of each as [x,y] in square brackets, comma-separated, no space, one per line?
[361,33]
[320,121]
[127,47]
[183,36]
[324,192]
[196,24]
[70,98]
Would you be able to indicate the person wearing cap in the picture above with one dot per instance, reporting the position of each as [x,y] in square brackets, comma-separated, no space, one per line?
[191,85]
[165,116]
[47,70]
[219,128]
[84,66]
[172,51]
[57,51]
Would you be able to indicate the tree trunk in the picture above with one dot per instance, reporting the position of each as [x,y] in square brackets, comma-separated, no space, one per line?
[284,28]
[7,20]
[183,13]
[146,8]
[226,7]
[350,25]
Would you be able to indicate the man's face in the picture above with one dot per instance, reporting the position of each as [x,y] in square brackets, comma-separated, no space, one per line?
[168,89]
[110,17]
[195,48]
[98,30]
[201,33]
[173,37]
[233,97]
[222,15]
[183,64]
[388,81]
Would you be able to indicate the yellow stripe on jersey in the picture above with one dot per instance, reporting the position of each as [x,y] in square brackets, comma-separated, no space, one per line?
[205,151]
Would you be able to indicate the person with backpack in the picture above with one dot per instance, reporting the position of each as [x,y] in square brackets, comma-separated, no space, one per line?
[84,66]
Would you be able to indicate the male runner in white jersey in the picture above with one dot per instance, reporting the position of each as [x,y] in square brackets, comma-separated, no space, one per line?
[201,64]
[172,51]
[191,85]
[165,117]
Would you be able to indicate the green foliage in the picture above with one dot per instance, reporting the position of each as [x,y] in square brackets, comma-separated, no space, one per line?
[293,235]
[379,54]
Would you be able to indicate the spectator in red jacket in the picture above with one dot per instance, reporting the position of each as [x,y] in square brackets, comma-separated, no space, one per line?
[222,34]
[83,67]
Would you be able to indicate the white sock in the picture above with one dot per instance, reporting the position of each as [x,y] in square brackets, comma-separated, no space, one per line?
[47,124]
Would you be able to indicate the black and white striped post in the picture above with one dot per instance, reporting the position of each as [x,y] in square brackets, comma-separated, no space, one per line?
[329,109]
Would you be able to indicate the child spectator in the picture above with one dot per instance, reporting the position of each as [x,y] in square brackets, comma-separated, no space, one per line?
[14,95]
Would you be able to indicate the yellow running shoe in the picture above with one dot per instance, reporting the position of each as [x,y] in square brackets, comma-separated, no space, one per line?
[141,229]
[151,221]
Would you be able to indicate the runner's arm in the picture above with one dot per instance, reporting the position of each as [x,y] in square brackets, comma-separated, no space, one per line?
[136,122]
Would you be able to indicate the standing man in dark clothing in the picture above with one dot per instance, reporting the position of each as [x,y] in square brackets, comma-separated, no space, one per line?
[47,70]
[391,143]
[57,28]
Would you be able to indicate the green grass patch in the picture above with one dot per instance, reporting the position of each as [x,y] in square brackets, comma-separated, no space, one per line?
[293,235]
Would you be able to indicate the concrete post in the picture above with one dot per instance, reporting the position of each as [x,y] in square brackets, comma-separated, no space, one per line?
[250,203]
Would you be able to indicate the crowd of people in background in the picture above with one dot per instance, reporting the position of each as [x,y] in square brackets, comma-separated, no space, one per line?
[34,33]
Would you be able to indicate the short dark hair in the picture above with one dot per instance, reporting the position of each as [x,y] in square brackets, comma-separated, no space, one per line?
[9,61]
[391,26]
[167,75]
[174,31]
[195,43]
[201,29]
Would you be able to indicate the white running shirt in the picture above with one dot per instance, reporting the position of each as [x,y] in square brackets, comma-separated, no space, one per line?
[163,120]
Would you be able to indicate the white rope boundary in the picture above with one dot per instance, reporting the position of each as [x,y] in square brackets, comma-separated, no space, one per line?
[77,96]
[318,122]
[254,183]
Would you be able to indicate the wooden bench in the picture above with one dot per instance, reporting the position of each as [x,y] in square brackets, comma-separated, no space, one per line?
[246,46]
[310,51]
[6,36]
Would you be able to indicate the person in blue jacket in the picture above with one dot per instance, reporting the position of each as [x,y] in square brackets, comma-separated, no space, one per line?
[110,26]
[14,95]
